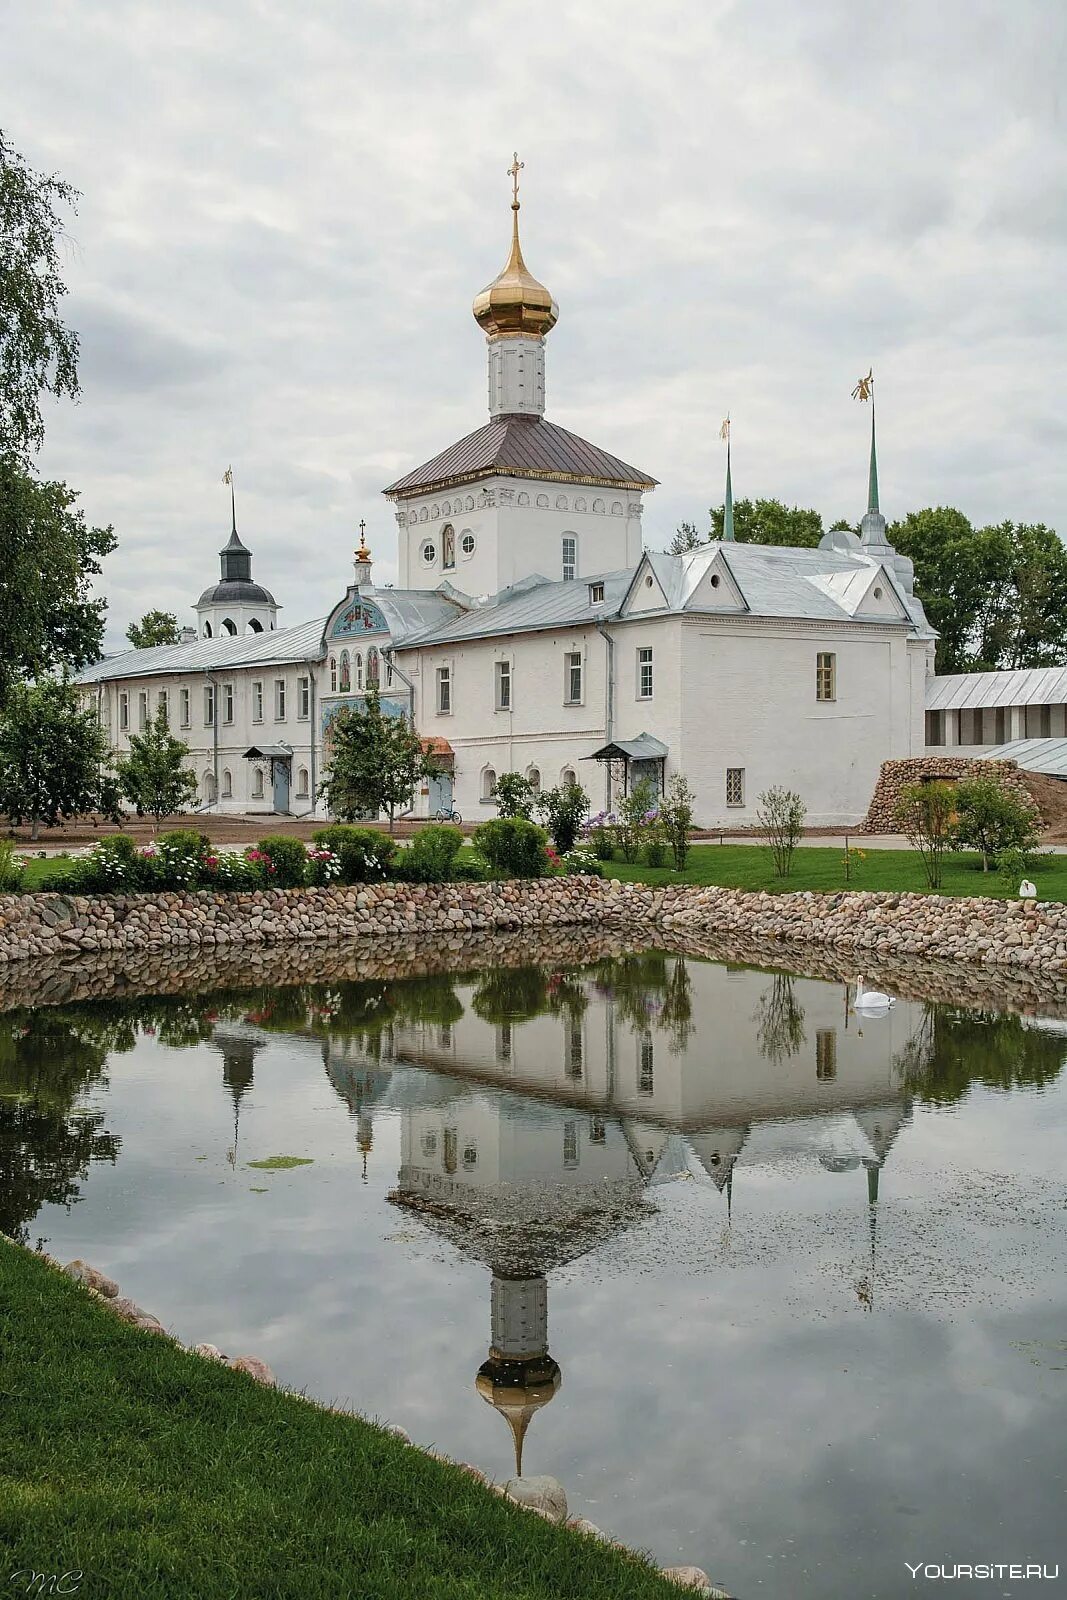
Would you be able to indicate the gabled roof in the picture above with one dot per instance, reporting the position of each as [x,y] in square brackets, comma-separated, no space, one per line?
[1029,686]
[533,605]
[521,447]
[285,645]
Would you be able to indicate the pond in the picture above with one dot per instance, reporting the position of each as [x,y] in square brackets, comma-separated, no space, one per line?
[770,1286]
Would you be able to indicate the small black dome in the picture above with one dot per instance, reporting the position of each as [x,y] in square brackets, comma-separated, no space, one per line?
[236,591]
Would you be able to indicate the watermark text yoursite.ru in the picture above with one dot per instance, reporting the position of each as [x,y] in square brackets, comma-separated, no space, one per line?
[1017,1571]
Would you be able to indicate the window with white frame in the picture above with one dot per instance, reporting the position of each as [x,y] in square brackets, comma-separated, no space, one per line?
[826,675]
[209,705]
[489,783]
[570,1144]
[279,699]
[186,708]
[302,783]
[227,702]
[646,1071]
[596,594]
[444,691]
[257,700]
[575,1048]
[570,557]
[257,783]
[124,710]
[303,698]
[429,553]
[467,544]
[142,710]
[644,672]
[333,674]
[572,678]
[163,704]
[227,784]
[735,786]
[503,685]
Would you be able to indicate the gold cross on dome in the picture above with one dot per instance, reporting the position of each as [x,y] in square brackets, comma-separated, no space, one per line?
[362,531]
[513,173]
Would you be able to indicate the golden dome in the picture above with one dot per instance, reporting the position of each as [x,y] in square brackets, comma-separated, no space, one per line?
[515,302]
[518,1390]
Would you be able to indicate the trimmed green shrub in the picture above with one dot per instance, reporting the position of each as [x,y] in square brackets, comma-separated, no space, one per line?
[513,847]
[187,840]
[431,856]
[365,854]
[290,860]
[471,869]
[563,812]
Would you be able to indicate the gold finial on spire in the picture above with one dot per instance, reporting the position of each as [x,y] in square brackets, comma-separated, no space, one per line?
[724,431]
[865,387]
[362,554]
[513,173]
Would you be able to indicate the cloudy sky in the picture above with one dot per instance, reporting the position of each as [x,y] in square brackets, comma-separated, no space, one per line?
[738,206]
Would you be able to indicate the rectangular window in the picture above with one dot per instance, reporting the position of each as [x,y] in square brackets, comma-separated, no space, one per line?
[163,703]
[644,673]
[444,691]
[209,706]
[826,675]
[257,700]
[503,1043]
[598,1132]
[596,594]
[570,1144]
[572,678]
[826,1054]
[570,557]
[227,702]
[303,698]
[142,710]
[124,709]
[646,1081]
[735,786]
[186,708]
[503,685]
[279,699]
[574,1048]
[935,728]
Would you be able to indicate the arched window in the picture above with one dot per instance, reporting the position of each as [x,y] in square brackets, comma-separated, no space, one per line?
[357,662]
[227,784]
[254,625]
[488,783]
[209,789]
[207,630]
[302,783]
[229,626]
[372,666]
[346,673]
[533,778]
[333,674]
[448,545]
[257,783]
[567,777]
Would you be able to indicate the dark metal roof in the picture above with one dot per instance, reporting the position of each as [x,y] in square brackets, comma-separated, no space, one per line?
[521,447]
[237,589]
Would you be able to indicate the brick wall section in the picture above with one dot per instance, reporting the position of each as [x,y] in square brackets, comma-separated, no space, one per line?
[896,775]
[865,926]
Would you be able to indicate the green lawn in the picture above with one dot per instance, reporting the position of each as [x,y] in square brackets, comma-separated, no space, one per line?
[39,874]
[155,1473]
[749,866]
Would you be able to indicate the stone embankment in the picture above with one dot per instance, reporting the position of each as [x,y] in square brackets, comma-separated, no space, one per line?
[976,931]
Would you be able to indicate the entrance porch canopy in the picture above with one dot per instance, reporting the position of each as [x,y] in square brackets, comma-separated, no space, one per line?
[269,752]
[643,757]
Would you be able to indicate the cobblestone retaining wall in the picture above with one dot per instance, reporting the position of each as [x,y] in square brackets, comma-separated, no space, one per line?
[895,775]
[977,931]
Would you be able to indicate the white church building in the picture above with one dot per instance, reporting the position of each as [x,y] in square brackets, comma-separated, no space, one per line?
[532,631]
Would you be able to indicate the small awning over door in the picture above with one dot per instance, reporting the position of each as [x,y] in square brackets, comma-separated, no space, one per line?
[643,748]
[269,752]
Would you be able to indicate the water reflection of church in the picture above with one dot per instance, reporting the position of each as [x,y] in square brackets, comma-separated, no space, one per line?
[623,1078]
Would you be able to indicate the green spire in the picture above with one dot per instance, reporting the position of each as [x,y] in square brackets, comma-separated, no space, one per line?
[728,509]
[872,483]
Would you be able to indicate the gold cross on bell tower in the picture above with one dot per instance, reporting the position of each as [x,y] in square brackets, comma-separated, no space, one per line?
[513,173]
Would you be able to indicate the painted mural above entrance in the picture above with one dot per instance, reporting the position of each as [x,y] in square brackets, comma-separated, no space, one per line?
[361,616]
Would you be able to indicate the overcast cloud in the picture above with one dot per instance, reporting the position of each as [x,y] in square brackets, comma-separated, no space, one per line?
[738,206]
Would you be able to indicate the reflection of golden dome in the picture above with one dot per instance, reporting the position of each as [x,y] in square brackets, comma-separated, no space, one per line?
[515,302]
[518,1390]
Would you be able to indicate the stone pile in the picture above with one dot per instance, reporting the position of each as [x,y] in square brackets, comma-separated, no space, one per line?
[897,775]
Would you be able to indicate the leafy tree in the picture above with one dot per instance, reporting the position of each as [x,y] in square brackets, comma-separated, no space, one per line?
[926,814]
[780,813]
[676,818]
[638,813]
[770,522]
[688,537]
[52,757]
[993,819]
[563,811]
[47,615]
[514,795]
[155,627]
[374,761]
[154,778]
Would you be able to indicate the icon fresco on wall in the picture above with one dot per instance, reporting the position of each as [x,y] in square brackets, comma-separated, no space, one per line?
[362,616]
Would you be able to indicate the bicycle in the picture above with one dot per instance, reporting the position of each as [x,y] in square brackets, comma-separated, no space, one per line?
[450,815]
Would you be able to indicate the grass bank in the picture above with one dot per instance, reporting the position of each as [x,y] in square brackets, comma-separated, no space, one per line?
[749,866]
[156,1473]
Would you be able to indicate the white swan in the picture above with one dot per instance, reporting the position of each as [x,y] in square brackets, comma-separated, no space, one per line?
[871,999]
[1027,890]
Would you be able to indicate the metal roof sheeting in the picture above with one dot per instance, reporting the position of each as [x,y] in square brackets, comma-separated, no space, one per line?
[532,606]
[1033,755]
[524,447]
[285,645]
[967,691]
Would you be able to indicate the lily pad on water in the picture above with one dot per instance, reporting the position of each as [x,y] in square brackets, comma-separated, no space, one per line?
[281,1163]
